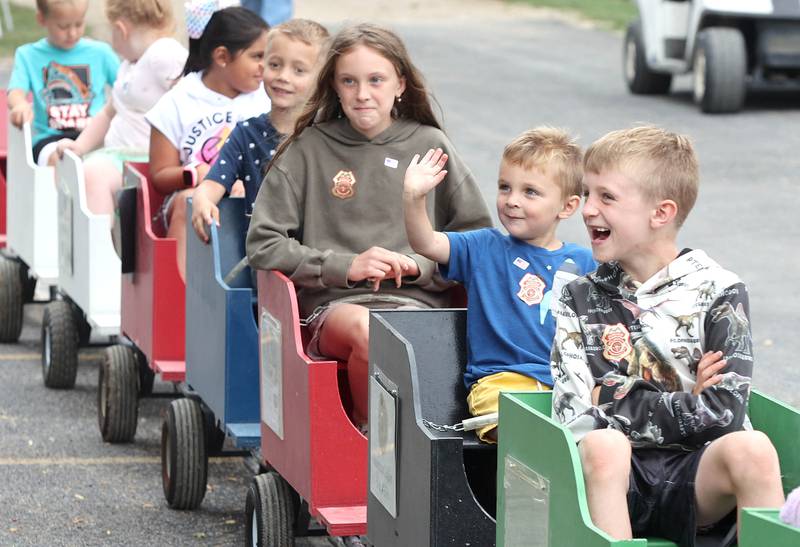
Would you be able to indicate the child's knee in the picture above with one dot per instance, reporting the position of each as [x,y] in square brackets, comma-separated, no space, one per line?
[102,177]
[605,455]
[178,206]
[360,334]
[750,453]
[346,331]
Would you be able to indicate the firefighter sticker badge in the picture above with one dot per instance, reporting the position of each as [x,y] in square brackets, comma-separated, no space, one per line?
[616,342]
[344,185]
[531,289]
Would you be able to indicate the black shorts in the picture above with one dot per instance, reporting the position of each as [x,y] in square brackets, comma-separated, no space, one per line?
[661,500]
[37,148]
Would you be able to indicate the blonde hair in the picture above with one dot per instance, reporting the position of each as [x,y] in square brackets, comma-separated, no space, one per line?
[149,13]
[661,163]
[551,150]
[43,6]
[307,31]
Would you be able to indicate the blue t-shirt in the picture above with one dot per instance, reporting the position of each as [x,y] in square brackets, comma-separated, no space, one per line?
[68,85]
[509,324]
[246,152]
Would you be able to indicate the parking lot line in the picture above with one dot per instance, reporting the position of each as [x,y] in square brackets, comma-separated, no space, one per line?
[20,356]
[110,460]
[38,356]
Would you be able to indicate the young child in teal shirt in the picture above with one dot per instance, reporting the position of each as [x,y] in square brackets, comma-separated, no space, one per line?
[66,73]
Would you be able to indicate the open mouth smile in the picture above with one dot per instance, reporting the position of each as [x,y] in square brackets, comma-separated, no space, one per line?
[597,234]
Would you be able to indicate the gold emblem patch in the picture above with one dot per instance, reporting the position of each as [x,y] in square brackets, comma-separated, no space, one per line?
[344,185]
[531,289]
[616,342]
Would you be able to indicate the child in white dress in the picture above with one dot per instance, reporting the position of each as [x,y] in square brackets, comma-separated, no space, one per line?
[141,33]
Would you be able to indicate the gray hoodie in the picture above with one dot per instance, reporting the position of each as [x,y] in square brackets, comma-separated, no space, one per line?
[335,193]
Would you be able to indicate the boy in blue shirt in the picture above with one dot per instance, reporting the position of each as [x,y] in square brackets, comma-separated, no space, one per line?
[66,73]
[509,278]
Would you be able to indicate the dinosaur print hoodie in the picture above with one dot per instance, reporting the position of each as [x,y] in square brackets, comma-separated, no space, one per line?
[641,343]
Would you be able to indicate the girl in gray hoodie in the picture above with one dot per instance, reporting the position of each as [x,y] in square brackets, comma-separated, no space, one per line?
[329,213]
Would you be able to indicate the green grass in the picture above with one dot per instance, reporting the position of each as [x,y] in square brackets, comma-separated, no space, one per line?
[615,13]
[25,30]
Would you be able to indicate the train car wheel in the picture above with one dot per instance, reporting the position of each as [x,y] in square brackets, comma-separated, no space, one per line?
[269,512]
[59,346]
[184,461]
[12,299]
[118,395]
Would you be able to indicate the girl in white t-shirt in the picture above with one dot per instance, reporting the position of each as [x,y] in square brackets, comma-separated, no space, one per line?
[141,33]
[222,85]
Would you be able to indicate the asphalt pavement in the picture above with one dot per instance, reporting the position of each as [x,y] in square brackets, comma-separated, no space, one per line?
[494,74]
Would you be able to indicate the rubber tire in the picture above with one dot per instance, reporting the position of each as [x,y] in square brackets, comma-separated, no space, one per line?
[720,70]
[641,80]
[118,395]
[12,300]
[269,512]
[59,346]
[184,461]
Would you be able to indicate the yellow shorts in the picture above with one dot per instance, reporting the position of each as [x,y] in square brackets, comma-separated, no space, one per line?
[485,393]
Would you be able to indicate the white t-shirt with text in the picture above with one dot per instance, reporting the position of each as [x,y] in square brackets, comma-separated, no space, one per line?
[197,120]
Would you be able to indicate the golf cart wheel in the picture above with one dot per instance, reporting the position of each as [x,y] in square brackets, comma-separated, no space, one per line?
[640,78]
[269,512]
[720,70]
[184,461]
[59,345]
[12,299]
[117,395]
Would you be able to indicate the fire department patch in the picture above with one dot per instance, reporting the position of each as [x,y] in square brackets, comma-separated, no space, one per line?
[616,342]
[531,289]
[344,185]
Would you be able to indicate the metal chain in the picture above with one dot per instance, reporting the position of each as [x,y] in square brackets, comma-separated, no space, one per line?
[443,428]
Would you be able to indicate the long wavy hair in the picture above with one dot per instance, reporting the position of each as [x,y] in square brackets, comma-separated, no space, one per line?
[324,104]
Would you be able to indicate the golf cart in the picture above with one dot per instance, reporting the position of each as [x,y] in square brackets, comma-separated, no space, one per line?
[729,45]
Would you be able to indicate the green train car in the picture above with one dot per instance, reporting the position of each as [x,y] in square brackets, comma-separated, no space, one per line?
[433,485]
[541,498]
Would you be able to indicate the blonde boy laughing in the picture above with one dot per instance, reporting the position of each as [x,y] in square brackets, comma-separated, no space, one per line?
[653,355]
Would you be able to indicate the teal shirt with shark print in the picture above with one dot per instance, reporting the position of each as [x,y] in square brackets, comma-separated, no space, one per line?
[68,85]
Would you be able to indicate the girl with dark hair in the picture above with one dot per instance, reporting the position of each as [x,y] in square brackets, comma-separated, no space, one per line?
[222,85]
[329,213]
